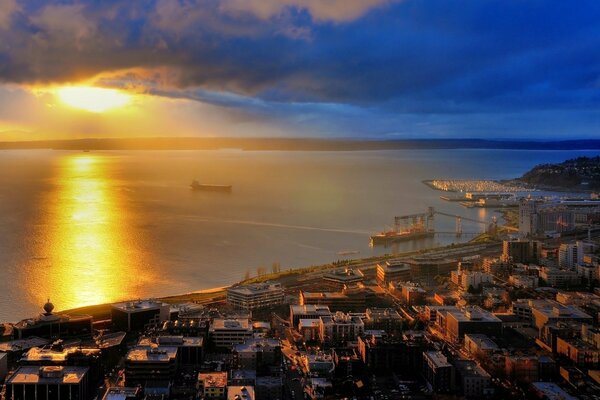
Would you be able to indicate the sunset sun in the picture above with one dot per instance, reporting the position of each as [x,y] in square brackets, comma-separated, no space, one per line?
[93,99]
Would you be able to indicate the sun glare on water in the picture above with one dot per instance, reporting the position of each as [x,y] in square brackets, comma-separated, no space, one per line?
[93,99]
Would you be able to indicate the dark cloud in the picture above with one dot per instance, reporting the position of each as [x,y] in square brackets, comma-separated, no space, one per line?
[269,57]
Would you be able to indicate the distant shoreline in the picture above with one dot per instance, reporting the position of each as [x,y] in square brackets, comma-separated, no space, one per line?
[294,144]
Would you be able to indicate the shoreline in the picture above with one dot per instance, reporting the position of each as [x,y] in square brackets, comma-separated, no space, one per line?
[288,277]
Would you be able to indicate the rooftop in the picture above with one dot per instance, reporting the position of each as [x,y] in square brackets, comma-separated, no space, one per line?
[438,359]
[152,353]
[552,391]
[213,379]
[483,341]
[258,288]
[23,344]
[121,393]
[48,375]
[139,305]
[230,324]
[240,393]
[256,345]
[299,309]
[472,314]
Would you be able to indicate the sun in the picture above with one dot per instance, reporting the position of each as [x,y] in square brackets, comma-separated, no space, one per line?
[93,99]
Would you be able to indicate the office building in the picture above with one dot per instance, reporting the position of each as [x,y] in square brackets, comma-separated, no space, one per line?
[570,255]
[307,312]
[438,372]
[387,319]
[340,327]
[257,354]
[138,315]
[53,326]
[150,363]
[559,277]
[250,297]
[212,385]
[474,381]
[458,322]
[229,332]
[389,271]
[338,280]
[48,383]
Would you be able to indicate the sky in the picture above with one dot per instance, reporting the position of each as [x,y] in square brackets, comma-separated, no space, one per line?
[379,69]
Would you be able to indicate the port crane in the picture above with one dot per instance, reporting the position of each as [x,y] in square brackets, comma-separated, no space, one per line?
[426,222]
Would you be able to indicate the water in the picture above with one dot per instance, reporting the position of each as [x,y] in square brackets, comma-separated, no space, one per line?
[85,228]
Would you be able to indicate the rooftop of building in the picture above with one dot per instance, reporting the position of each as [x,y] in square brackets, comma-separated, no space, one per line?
[30,375]
[213,379]
[242,374]
[394,266]
[223,324]
[139,305]
[240,393]
[552,391]
[437,358]
[110,340]
[22,344]
[324,295]
[472,314]
[553,309]
[344,275]
[257,345]
[382,313]
[152,353]
[482,341]
[55,354]
[257,288]
[309,323]
[121,393]
[470,368]
[299,309]
[172,340]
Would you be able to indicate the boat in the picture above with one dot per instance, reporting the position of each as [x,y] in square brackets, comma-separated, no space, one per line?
[387,237]
[347,252]
[195,185]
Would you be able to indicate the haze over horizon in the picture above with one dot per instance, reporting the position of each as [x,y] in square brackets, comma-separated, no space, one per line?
[375,69]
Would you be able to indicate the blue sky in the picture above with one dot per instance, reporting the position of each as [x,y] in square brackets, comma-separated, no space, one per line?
[337,68]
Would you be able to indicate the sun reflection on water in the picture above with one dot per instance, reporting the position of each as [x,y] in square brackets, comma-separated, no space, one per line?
[87,237]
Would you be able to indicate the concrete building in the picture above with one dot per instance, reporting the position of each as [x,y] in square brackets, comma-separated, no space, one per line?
[306,312]
[412,294]
[480,345]
[387,319]
[382,353]
[53,326]
[438,372]
[550,391]
[524,369]
[229,332]
[48,383]
[392,271]
[340,327]
[257,354]
[189,349]
[466,279]
[559,277]
[524,281]
[347,299]
[212,385]
[240,393]
[521,251]
[537,217]
[339,280]
[150,363]
[582,354]
[456,323]
[570,254]
[137,315]
[250,297]
[550,312]
[474,381]
[122,393]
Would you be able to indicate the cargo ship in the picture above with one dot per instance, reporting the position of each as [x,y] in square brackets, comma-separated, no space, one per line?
[195,185]
[387,237]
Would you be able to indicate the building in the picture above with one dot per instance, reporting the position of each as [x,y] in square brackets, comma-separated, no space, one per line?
[521,251]
[53,326]
[550,312]
[229,332]
[138,315]
[537,217]
[340,327]
[382,353]
[523,281]
[583,354]
[257,354]
[480,345]
[318,364]
[438,372]
[470,279]
[240,393]
[341,279]
[412,294]
[242,377]
[189,349]
[523,369]
[344,300]
[309,329]
[428,267]
[48,383]
[250,297]
[570,254]
[550,391]
[150,363]
[122,393]
[269,387]
[212,385]
[392,271]
[474,381]
[459,322]
[559,277]
[307,311]
[3,366]
[387,319]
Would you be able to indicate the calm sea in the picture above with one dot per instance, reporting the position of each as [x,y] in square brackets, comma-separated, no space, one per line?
[84,228]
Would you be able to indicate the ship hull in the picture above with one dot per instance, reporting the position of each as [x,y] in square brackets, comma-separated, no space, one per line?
[211,188]
[377,240]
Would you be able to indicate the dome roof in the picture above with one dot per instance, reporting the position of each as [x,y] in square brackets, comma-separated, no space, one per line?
[48,307]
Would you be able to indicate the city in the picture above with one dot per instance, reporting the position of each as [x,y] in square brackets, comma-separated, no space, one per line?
[515,317]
